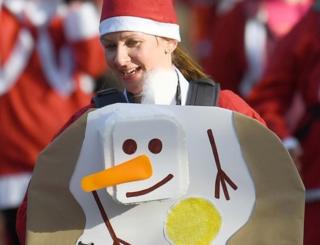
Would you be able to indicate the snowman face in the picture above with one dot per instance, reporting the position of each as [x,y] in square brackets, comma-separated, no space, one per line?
[162,141]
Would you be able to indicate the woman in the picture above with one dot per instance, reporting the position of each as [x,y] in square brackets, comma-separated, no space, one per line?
[141,44]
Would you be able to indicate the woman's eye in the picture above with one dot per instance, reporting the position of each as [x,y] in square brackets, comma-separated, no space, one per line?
[132,43]
[110,46]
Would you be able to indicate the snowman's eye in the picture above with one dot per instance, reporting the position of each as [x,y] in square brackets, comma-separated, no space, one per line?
[129,146]
[155,146]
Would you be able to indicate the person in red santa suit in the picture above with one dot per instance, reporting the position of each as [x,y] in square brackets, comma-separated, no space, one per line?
[17,45]
[204,16]
[243,39]
[295,69]
[49,57]
[141,42]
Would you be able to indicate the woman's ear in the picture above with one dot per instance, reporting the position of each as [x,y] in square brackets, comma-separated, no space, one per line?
[171,45]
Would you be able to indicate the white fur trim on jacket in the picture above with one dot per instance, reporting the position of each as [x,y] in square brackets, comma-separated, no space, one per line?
[81,22]
[40,13]
[255,46]
[59,76]
[17,62]
[313,195]
[15,6]
[12,189]
[290,143]
[129,23]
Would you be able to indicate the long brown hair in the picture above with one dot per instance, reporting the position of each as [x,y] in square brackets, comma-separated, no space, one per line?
[189,68]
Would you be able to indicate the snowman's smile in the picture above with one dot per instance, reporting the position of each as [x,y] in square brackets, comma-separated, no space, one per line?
[150,189]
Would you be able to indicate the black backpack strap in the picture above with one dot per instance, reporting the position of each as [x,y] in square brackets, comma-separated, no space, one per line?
[203,92]
[107,97]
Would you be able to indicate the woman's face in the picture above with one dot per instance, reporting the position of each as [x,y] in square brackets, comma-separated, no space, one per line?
[132,54]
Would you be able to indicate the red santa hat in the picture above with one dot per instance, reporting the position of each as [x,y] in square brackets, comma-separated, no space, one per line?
[156,17]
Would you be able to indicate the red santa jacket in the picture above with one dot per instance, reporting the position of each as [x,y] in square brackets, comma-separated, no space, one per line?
[295,68]
[34,99]
[227,99]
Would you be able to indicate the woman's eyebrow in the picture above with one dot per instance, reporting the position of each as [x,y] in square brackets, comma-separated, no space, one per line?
[130,36]
[104,39]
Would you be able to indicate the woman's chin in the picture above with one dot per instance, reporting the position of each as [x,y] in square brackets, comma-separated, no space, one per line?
[134,87]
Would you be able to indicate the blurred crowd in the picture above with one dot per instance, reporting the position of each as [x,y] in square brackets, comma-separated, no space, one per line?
[52,62]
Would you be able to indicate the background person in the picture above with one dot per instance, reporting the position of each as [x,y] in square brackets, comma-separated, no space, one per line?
[295,70]
[243,38]
[49,59]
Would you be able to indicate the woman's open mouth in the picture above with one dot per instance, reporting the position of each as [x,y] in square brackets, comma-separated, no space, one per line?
[127,74]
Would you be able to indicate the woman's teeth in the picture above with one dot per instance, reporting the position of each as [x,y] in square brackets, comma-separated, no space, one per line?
[129,72]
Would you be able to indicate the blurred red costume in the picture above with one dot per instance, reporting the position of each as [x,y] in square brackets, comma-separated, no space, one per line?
[243,38]
[36,100]
[295,68]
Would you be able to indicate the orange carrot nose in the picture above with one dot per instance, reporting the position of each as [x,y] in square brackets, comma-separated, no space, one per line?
[138,168]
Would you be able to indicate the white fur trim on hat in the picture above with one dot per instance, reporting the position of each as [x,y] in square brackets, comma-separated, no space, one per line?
[129,23]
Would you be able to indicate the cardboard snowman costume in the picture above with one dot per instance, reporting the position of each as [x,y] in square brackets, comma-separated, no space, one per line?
[142,174]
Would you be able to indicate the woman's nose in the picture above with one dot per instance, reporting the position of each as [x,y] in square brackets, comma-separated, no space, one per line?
[121,56]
